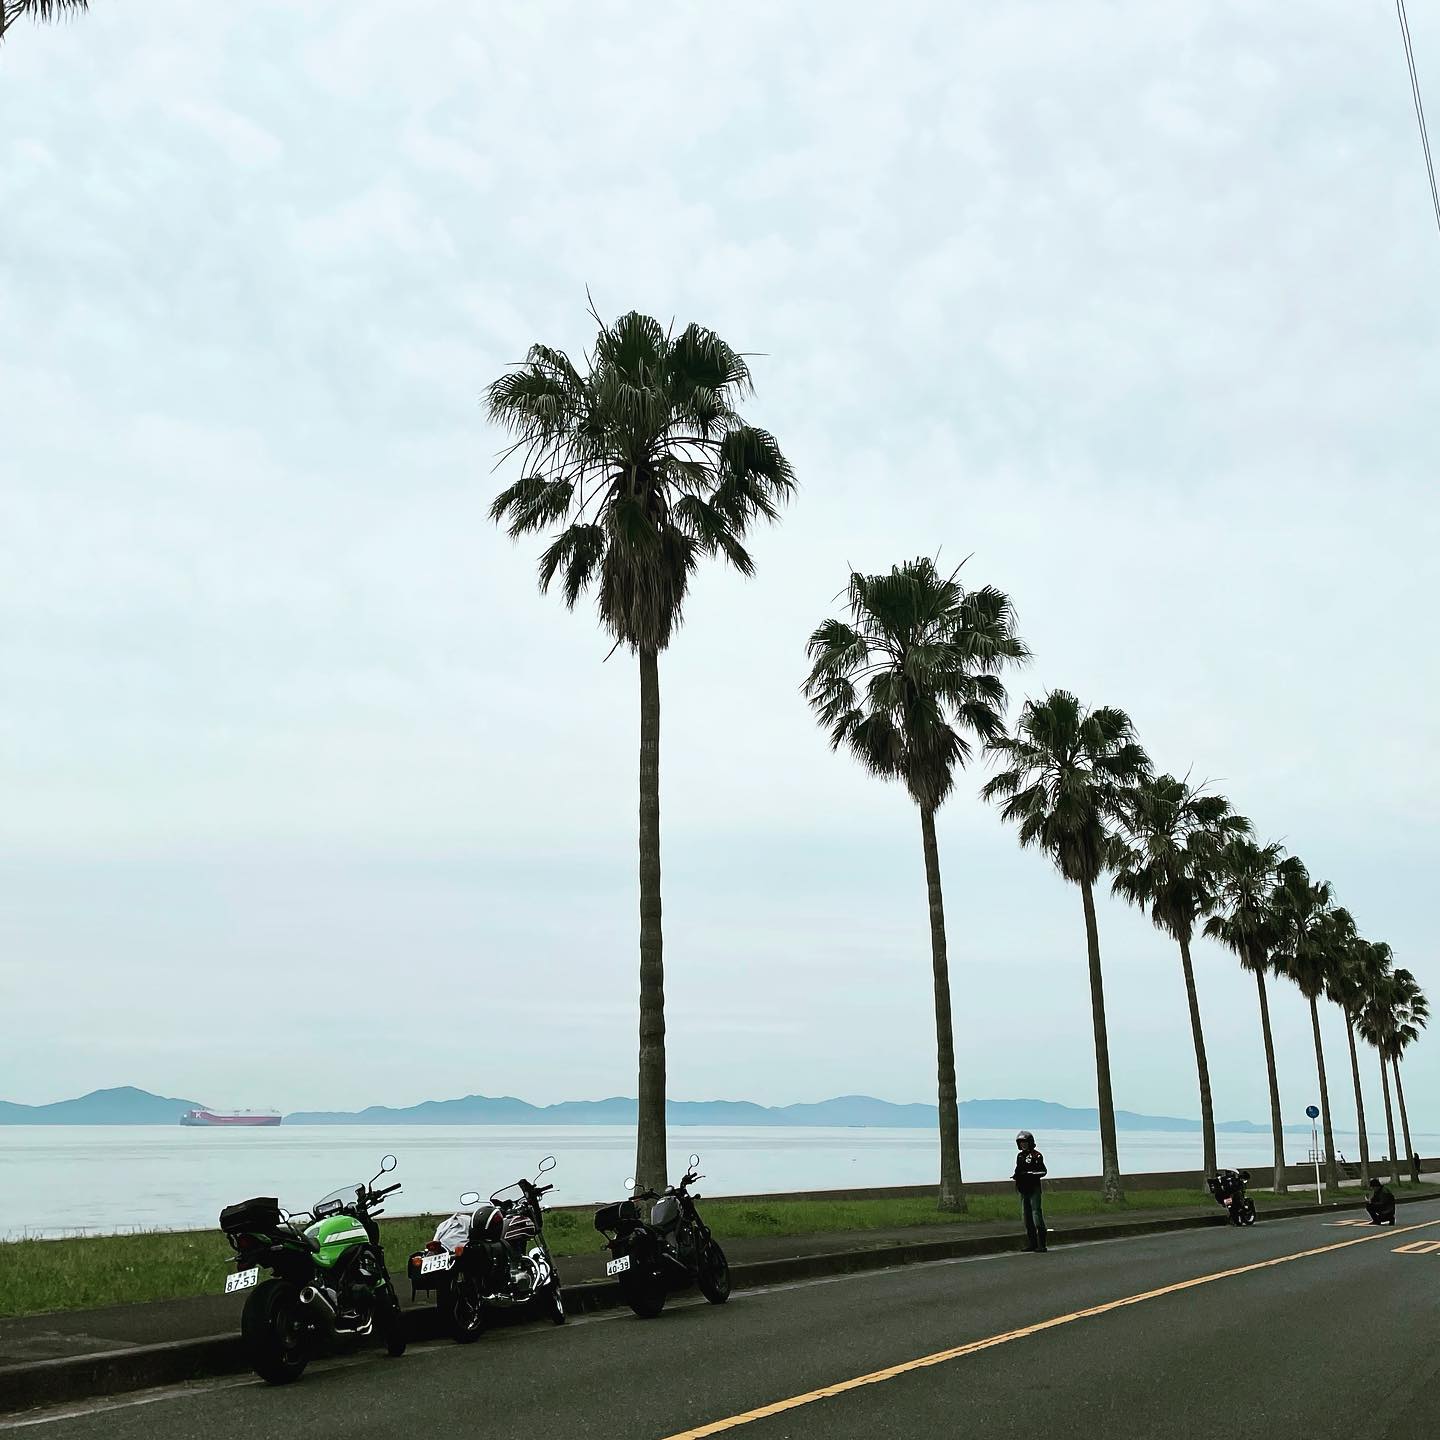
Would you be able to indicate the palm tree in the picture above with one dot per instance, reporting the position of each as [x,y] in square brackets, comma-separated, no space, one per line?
[639,464]
[1069,770]
[1412,1014]
[1376,1024]
[1166,859]
[902,685]
[1243,920]
[1305,954]
[47,10]
[1359,967]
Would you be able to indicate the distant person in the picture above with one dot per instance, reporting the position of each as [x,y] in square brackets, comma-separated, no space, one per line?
[1381,1204]
[1029,1173]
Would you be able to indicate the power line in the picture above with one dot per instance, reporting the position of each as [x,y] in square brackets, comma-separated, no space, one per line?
[1419,106]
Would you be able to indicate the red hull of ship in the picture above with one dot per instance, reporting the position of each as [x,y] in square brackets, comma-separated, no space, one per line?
[204,1117]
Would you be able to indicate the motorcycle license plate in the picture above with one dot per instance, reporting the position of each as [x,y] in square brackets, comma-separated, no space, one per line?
[431,1263]
[618,1267]
[241,1280]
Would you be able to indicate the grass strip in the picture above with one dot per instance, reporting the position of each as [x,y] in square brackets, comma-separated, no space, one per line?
[88,1272]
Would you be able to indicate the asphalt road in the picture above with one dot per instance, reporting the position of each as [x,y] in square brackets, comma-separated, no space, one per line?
[1291,1328]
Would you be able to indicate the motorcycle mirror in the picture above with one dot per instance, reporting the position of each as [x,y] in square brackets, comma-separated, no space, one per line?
[387,1164]
[629,1182]
[548,1163]
[470,1197]
[694,1161]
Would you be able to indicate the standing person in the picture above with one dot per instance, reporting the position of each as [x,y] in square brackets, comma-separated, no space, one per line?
[1381,1204]
[1029,1172]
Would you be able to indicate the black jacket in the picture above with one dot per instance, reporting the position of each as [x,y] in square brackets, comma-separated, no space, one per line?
[1029,1171]
[1382,1200]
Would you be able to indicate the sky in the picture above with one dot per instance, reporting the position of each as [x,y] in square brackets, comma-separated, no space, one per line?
[308,798]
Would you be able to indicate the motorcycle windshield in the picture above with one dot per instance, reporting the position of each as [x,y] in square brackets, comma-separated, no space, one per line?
[345,1195]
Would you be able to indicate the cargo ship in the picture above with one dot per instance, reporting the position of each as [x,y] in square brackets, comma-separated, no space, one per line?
[230,1117]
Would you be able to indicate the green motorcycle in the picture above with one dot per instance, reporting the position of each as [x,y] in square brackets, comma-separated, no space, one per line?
[328,1276]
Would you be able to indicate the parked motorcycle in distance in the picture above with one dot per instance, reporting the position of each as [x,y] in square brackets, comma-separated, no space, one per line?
[674,1248]
[1228,1188]
[328,1276]
[491,1255]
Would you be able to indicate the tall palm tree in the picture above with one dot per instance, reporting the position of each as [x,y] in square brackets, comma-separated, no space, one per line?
[1243,920]
[1412,1014]
[1359,967]
[13,10]
[639,464]
[1068,771]
[1376,1024]
[902,684]
[1305,954]
[1166,859]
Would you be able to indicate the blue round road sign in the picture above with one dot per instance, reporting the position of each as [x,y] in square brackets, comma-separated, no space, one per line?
[1312,1111]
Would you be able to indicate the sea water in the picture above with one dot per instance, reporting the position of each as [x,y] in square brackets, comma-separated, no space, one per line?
[66,1179]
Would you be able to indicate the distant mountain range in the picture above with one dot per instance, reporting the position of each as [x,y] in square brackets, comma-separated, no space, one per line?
[844,1111]
[123,1106]
[128,1106]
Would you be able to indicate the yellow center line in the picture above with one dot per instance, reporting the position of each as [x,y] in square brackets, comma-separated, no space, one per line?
[875,1377]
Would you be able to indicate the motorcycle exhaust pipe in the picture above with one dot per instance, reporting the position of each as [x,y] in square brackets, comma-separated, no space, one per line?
[313,1295]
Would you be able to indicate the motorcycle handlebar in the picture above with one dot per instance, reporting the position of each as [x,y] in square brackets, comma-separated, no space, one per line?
[385,1190]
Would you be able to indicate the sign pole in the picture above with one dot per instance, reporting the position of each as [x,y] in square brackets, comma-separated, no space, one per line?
[1312,1111]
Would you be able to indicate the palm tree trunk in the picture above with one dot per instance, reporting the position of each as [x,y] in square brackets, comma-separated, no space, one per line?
[1332,1174]
[952,1196]
[1277,1128]
[1405,1124]
[1389,1121]
[650,1169]
[1109,1148]
[1359,1105]
[1202,1065]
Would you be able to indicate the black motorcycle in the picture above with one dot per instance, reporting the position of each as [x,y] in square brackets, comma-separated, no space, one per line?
[328,1276]
[671,1250]
[1228,1188]
[491,1255]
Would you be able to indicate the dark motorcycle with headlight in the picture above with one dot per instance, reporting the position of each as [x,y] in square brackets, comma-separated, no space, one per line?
[491,1256]
[671,1250]
[328,1276]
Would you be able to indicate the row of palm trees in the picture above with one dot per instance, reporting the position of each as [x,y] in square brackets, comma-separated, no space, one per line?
[638,464]
[910,683]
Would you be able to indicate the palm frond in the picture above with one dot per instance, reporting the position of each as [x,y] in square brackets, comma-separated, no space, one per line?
[912,675]
[641,450]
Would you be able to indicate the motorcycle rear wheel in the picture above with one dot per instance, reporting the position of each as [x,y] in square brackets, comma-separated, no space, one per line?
[713,1275]
[275,1332]
[643,1292]
[463,1309]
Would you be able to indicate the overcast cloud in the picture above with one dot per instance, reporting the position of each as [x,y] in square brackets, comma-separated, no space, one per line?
[1136,304]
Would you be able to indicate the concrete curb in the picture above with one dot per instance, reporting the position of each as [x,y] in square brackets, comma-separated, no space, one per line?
[142,1367]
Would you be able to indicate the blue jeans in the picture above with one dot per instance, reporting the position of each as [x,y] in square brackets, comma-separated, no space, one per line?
[1034,1219]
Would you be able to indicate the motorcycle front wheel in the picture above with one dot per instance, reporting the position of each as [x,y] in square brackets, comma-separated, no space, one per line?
[713,1276]
[555,1303]
[643,1292]
[462,1307]
[390,1321]
[276,1332]
[1247,1212]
